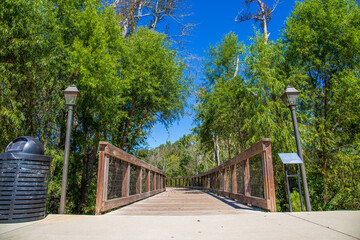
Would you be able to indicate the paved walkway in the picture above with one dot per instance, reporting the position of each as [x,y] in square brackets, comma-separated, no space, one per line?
[210,221]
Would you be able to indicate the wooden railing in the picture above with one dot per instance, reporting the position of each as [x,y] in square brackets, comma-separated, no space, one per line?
[248,178]
[123,179]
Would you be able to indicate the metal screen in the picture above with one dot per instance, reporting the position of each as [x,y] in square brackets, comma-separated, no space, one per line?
[116,175]
[257,178]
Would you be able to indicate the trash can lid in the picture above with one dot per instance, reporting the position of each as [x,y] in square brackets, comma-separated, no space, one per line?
[25,145]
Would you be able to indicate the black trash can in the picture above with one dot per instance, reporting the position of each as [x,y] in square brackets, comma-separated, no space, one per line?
[24,175]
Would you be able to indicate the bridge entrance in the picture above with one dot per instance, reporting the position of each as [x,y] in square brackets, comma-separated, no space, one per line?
[184,202]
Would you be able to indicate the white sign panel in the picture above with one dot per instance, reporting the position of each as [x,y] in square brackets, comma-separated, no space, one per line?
[290,158]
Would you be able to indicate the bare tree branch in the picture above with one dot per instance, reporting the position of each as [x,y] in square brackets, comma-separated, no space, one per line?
[263,14]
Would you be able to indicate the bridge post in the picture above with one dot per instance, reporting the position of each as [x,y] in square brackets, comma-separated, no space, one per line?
[138,180]
[126,179]
[269,187]
[147,182]
[246,171]
[233,179]
[158,181]
[225,180]
[154,181]
[101,194]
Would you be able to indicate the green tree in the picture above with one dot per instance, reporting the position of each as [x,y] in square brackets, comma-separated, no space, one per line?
[215,113]
[155,88]
[29,90]
[322,49]
[181,158]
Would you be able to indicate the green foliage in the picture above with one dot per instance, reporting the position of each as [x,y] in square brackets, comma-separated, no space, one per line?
[28,65]
[323,45]
[217,108]
[295,202]
[127,85]
[154,87]
[182,158]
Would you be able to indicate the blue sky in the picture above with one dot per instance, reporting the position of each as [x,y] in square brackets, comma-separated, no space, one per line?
[214,19]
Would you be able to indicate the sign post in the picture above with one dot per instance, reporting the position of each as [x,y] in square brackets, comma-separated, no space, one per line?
[292,159]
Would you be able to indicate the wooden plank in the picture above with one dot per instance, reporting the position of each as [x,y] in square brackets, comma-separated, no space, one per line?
[154,181]
[106,176]
[160,181]
[225,180]
[115,203]
[125,189]
[233,179]
[269,176]
[100,183]
[147,182]
[246,171]
[138,180]
[124,156]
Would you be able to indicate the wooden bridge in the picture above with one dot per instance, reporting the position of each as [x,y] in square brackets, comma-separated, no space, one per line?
[123,179]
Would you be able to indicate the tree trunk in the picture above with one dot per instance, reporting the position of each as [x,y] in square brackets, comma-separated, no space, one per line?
[128,123]
[138,131]
[263,19]
[216,150]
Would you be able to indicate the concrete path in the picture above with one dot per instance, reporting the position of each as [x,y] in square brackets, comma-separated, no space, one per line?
[223,223]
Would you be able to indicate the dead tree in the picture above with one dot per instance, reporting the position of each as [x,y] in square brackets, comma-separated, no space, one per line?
[263,15]
[150,13]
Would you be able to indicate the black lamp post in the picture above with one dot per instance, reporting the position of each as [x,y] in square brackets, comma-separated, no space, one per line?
[72,94]
[291,99]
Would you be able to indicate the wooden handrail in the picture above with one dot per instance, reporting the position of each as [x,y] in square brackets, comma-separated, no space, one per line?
[124,162]
[217,180]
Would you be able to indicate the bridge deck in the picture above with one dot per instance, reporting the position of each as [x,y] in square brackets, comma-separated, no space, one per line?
[184,202]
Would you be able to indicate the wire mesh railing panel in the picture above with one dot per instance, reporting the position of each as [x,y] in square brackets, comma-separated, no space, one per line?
[221,180]
[256,176]
[115,178]
[229,185]
[240,177]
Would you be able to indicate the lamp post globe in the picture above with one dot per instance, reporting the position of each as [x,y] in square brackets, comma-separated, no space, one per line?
[71,94]
[291,99]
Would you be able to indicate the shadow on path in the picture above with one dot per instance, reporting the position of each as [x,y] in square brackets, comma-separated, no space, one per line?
[228,201]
